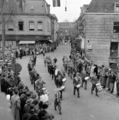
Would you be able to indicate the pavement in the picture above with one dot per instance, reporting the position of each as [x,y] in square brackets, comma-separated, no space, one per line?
[87,107]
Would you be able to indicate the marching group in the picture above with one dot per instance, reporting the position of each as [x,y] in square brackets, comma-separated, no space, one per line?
[82,70]
[29,105]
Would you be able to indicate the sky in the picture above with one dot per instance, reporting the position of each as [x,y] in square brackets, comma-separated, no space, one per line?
[73,9]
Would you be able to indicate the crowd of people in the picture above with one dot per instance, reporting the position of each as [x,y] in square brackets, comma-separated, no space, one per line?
[24,50]
[24,103]
[28,105]
[81,70]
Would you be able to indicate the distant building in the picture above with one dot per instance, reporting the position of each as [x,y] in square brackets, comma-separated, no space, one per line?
[31,23]
[54,27]
[99,30]
[65,29]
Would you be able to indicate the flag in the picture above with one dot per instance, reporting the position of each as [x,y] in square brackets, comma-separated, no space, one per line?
[56,3]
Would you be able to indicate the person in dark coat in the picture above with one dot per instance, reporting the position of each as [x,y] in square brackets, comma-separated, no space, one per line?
[21,53]
[77,80]
[43,111]
[112,81]
[94,81]
[35,115]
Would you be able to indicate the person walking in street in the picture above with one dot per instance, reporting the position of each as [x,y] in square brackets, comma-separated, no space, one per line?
[21,53]
[34,59]
[94,81]
[112,81]
[43,52]
[77,82]
[84,81]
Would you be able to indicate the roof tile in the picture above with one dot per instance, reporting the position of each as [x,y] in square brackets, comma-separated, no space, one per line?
[102,6]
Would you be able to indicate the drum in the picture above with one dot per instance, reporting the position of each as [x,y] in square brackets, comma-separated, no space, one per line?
[64,80]
[8,97]
[99,87]
[86,78]
[78,86]
[63,88]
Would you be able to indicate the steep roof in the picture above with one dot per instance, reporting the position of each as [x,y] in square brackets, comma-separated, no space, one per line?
[102,6]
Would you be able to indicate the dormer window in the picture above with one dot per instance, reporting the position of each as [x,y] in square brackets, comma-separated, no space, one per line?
[116,7]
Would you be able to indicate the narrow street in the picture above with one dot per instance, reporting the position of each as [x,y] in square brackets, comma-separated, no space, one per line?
[87,107]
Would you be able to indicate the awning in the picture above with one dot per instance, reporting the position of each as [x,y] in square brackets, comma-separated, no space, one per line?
[27,42]
[50,41]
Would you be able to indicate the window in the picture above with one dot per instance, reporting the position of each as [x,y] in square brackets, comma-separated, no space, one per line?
[117,7]
[114,49]
[40,26]
[116,27]
[31,26]
[32,9]
[10,26]
[21,25]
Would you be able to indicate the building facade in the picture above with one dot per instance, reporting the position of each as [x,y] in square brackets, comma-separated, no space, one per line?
[99,23]
[31,22]
[65,29]
[54,28]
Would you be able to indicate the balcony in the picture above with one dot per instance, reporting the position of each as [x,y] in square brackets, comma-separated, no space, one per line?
[113,53]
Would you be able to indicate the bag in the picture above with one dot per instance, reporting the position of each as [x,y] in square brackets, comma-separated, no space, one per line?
[99,87]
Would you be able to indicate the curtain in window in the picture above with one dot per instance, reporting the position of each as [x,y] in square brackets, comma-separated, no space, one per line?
[40,25]
[31,25]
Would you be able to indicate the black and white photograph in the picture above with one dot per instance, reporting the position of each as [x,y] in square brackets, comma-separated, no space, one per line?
[59,59]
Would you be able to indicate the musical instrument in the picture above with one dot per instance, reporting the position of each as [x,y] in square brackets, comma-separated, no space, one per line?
[99,87]
[64,80]
[86,78]
[78,86]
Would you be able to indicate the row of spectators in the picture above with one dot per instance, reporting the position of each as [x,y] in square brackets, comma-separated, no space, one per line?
[109,78]
[25,104]
[23,50]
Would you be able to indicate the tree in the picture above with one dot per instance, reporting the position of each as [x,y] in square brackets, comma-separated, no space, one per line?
[8,9]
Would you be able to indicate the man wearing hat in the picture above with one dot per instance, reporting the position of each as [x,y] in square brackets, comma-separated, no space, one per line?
[27,106]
